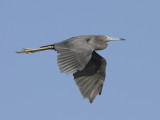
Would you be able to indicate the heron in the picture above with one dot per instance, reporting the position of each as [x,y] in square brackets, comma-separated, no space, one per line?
[78,56]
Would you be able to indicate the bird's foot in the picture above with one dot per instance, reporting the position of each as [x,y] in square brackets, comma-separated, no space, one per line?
[26,50]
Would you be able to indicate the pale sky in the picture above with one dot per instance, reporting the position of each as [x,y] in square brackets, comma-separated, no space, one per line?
[31,85]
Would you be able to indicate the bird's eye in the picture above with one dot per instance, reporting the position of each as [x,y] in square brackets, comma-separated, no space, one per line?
[87,40]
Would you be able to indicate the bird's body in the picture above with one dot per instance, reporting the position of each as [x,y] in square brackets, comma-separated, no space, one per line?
[77,56]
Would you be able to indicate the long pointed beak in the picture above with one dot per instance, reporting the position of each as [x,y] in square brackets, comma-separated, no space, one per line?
[113,39]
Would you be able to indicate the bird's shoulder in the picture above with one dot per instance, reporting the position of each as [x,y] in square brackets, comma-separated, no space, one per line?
[75,43]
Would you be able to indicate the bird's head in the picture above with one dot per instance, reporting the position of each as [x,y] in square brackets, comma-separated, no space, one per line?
[100,41]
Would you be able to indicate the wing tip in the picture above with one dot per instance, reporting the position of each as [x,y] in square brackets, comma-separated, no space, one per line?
[91,101]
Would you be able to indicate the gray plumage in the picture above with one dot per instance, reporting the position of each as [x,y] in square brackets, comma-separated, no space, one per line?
[77,56]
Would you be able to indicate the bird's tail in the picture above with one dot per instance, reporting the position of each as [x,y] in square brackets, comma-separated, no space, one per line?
[29,50]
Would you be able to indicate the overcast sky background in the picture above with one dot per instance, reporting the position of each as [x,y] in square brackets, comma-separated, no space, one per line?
[31,85]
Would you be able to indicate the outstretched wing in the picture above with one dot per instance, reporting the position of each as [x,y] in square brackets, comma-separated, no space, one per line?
[74,54]
[90,80]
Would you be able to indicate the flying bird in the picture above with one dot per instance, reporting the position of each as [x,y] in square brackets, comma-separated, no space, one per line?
[78,56]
